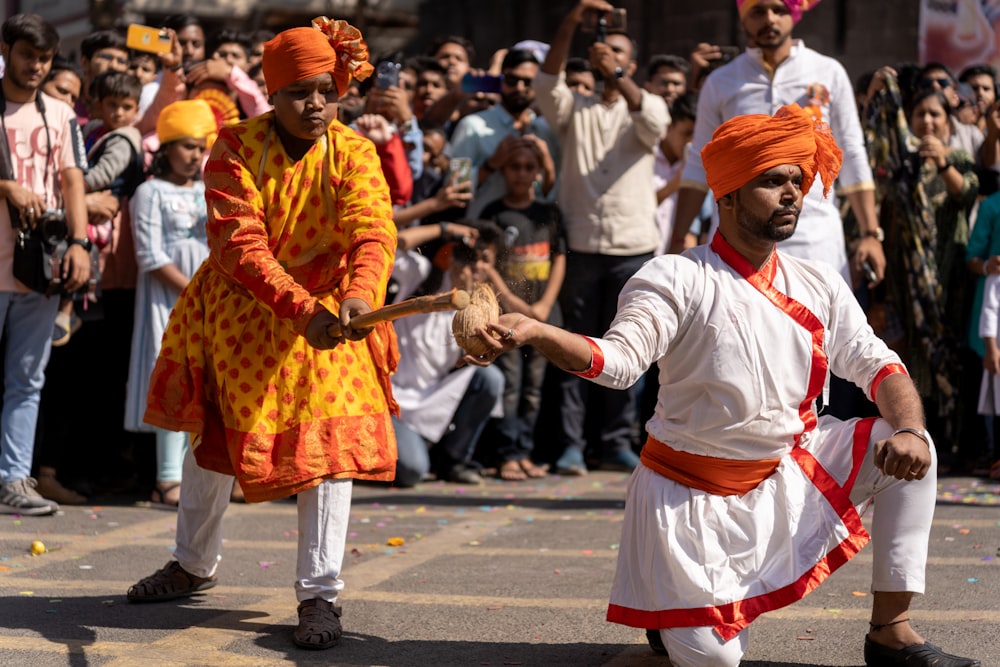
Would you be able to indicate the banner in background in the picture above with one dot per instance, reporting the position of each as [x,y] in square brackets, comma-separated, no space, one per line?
[959,33]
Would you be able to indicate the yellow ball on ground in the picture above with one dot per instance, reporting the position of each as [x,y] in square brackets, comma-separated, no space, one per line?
[37,548]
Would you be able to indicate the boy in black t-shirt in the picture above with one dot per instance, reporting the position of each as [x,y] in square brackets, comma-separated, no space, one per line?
[527,279]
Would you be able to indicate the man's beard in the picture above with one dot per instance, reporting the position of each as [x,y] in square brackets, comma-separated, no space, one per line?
[771,41]
[21,81]
[516,103]
[767,229]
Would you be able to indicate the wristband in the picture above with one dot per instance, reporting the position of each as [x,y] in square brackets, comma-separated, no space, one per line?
[444,230]
[919,432]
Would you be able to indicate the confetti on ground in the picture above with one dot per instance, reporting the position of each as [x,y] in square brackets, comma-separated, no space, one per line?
[264,563]
[973,580]
[395,541]
[859,594]
[969,492]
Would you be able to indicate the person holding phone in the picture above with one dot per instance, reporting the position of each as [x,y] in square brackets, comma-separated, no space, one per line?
[487,137]
[605,190]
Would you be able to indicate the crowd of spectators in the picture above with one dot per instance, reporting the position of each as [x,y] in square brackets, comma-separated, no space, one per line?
[550,176]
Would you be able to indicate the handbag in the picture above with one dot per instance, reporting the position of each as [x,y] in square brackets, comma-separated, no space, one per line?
[38,250]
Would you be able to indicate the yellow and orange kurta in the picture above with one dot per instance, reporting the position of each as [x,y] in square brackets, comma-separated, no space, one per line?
[288,239]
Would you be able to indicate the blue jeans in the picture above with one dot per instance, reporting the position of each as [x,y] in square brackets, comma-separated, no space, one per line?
[589,301]
[524,373]
[414,461]
[27,320]
[459,441]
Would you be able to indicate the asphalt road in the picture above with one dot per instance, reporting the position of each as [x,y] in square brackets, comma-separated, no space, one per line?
[504,574]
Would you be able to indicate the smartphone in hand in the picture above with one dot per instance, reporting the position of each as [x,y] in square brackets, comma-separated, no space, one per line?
[460,170]
[145,38]
[486,83]
[387,75]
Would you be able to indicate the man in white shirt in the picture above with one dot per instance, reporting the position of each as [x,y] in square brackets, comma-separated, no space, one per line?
[780,70]
[606,195]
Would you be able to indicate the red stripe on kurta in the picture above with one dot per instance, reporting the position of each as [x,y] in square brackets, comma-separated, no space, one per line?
[890,369]
[762,280]
[596,361]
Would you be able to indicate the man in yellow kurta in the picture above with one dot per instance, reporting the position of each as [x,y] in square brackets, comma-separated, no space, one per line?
[282,393]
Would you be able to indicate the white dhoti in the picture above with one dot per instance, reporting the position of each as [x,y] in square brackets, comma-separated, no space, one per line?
[691,560]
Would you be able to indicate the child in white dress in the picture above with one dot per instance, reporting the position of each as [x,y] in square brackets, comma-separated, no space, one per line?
[171,242]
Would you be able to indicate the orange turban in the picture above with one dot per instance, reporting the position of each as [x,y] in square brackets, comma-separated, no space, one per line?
[744,147]
[187,118]
[334,47]
[795,7]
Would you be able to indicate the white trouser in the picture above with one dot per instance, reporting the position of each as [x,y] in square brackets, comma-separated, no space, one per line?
[901,525]
[323,513]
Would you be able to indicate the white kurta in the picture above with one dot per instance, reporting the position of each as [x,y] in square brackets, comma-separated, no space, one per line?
[989,325]
[745,86]
[426,384]
[742,358]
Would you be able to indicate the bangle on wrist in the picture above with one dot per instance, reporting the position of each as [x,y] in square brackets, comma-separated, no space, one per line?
[919,432]
[444,229]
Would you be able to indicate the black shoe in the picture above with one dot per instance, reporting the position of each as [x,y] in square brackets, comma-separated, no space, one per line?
[463,474]
[656,642]
[915,655]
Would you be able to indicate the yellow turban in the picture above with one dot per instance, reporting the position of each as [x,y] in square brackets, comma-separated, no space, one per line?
[744,147]
[334,47]
[187,118]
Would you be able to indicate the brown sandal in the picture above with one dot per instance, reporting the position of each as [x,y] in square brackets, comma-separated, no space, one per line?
[531,470]
[511,471]
[319,624]
[169,583]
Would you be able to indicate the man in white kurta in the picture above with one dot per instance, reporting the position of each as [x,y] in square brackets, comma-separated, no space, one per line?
[779,71]
[746,499]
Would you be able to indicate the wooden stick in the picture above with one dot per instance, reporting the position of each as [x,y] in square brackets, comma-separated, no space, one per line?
[455,299]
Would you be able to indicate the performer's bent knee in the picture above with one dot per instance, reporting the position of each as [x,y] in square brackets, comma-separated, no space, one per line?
[703,647]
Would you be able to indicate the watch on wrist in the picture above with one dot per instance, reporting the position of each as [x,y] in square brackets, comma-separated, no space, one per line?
[86,244]
[878,233]
[619,72]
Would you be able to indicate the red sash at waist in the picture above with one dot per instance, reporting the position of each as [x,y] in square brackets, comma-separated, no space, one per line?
[721,477]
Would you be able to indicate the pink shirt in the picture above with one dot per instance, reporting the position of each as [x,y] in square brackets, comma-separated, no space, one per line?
[34,168]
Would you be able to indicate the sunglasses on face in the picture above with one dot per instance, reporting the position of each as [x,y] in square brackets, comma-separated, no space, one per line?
[943,82]
[512,81]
